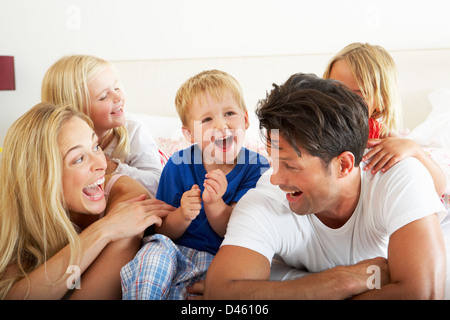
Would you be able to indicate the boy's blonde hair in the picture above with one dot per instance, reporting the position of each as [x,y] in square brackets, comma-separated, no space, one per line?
[214,82]
[376,74]
[34,220]
[66,83]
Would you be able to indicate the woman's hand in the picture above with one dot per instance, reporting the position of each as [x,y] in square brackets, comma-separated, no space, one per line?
[131,217]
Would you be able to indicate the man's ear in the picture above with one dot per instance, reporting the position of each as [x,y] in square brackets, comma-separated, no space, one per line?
[187,134]
[346,163]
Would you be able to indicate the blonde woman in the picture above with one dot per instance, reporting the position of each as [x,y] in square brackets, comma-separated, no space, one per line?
[92,86]
[53,195]
[370,71]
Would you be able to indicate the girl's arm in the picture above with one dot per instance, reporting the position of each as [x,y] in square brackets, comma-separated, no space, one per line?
[388,151]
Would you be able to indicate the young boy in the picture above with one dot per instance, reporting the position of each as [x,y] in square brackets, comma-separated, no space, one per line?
[203,182]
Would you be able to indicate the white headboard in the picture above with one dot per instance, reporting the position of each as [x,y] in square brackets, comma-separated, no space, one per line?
[151,85]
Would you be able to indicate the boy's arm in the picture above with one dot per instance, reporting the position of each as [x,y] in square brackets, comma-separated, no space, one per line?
[218,214]
[176,223]
[388,151]
[216,210]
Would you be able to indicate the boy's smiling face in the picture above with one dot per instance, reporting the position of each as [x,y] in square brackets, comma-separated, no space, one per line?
[218,127]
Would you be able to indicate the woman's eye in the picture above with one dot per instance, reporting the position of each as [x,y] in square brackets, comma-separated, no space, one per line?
[79,160]
[97,147]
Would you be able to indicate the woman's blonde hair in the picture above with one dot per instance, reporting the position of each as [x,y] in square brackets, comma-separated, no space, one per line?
[66,82]
[376,74]
[34,221]
[214,82]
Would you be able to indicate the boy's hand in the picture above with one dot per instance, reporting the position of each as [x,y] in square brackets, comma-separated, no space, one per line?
[191,203]
[215,186]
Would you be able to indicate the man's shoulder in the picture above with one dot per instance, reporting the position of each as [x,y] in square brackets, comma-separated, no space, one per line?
[410,163]
[406,167]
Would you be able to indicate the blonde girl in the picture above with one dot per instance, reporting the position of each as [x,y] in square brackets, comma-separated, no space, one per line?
[369,71]
[91,85]
[52,199]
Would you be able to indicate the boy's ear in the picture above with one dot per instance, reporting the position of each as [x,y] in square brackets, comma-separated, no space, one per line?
[187,134]
[247,121]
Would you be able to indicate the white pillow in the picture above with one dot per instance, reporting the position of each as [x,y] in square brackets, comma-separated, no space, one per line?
[159,126]
[434,132]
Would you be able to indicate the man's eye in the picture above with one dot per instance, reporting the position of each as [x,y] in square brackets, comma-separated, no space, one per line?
[289,167]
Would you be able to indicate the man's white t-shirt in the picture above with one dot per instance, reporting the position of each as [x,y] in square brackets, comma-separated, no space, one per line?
[263,222]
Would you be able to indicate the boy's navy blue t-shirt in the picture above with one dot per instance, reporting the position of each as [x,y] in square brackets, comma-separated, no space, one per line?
[185,168]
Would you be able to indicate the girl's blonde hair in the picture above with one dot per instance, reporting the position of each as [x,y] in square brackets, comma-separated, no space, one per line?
[66,82]
[376,74]
[214,82]
[34,221]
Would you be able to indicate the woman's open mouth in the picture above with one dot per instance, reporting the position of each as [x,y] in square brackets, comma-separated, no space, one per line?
[94,191]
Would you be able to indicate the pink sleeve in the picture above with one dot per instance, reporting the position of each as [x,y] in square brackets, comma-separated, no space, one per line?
[108,187]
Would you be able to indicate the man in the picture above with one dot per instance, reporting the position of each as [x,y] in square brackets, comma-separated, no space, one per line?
[323,213]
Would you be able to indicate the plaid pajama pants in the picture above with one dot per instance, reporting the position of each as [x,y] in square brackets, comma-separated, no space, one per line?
[162,270]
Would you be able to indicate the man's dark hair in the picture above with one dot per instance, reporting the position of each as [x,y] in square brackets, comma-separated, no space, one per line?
[321,116]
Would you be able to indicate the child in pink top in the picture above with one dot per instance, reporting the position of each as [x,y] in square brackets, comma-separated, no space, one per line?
[370,72]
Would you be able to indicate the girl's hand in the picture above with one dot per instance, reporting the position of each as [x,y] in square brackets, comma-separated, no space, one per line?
[386,152]
[131,217]
[215,186]
[191,203]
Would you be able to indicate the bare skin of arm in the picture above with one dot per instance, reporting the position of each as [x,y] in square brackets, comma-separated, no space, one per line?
[240,273]
[403,275]
[411,278]
[98,260]
[102,279]
[216,210]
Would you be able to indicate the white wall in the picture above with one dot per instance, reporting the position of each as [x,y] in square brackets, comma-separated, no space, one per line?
[37,33]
